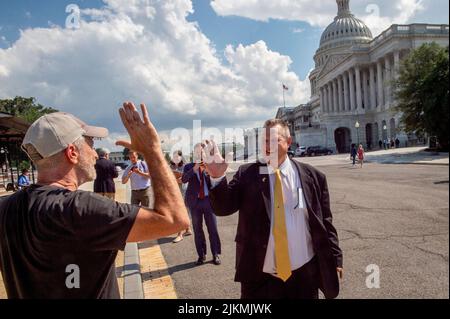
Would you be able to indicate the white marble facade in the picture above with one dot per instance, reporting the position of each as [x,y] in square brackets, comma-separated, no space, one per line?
[351,83]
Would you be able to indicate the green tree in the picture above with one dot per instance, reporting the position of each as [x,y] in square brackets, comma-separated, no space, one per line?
[28,110]
[421,91]
[25,108]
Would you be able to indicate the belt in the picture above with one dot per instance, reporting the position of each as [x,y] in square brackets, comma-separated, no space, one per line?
[140,190]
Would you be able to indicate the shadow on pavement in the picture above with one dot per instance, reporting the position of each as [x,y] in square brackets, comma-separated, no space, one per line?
[171,270]
[166,240]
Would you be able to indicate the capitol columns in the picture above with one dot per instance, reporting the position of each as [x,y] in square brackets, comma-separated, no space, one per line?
[396,63]
[358,88]
[321,100]
[335,97]
[380,85]
[329,102]
[346,101]
[352,89]
[373,89]
[341,95]
[365,89]
[387,63]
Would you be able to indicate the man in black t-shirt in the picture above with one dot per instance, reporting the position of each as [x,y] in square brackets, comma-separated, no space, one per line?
[59,242]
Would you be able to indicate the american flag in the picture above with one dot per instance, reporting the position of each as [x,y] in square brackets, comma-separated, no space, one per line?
[285,87]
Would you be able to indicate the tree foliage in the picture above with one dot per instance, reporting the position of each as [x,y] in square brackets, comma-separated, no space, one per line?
[28,110]
[25,108]
[421,91]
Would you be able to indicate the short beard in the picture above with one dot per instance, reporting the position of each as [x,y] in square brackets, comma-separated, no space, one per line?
[85,170]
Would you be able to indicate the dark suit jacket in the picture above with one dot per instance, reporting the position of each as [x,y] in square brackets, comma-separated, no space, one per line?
[190,177]
[106,172]
[249,192]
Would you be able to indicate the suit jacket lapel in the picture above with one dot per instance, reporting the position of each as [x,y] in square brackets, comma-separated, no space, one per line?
[264,185]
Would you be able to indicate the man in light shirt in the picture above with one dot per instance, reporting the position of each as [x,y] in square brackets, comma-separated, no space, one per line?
[286,244]
[141,187]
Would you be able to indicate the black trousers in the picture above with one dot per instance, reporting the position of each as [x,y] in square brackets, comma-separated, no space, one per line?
[303,284]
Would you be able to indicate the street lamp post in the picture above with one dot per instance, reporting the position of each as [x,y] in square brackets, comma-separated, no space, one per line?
[357,130]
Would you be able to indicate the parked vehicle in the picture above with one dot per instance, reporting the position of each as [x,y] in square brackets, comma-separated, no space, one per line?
[300,151]
[291,154]
[318,150]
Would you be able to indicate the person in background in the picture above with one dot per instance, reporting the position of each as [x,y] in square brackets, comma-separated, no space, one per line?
[105,173]
[23,180]
[361,155]
[141,190]
[177,167]
[397,143]
[380,144]
[353,154]
[197,200]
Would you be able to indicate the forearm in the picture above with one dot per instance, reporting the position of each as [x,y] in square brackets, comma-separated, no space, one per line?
[168,199]
[224,198]
[146,175]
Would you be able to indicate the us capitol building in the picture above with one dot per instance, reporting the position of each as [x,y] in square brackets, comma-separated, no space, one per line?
[351,96]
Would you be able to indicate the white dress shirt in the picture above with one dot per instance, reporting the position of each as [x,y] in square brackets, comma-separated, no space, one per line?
[296,215]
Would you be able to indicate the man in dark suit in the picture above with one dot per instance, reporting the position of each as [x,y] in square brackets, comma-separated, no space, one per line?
[286,245]
[106,172]
[197,200]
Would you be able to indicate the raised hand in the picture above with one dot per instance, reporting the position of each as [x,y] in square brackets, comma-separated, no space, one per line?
[215,165]
[143,135]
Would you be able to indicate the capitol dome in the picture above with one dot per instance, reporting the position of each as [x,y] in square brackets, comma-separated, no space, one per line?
[345,28]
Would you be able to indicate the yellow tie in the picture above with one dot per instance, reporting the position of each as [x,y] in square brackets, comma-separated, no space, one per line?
[282,260]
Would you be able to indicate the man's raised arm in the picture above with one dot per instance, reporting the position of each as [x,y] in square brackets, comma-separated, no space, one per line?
[169,215]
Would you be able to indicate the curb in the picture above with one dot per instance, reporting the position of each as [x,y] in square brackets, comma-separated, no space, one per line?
[132,273]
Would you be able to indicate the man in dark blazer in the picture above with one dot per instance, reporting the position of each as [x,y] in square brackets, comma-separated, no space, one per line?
[299,256]
[197,200]
[106,172]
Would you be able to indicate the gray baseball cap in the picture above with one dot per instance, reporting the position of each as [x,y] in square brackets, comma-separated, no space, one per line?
[52,133]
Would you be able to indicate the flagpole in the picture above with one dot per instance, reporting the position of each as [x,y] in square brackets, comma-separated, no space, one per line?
[284,102]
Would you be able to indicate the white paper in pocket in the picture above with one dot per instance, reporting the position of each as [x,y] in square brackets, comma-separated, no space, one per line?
[301,204]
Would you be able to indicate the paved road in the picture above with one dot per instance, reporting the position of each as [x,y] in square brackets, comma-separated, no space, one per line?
[394,216]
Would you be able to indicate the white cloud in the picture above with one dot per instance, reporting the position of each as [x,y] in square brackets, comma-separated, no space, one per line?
[146,51]
[298,30]
[381,14]
[264,72]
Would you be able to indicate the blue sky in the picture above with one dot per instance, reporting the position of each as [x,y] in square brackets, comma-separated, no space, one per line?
[219,61]
[296,39]
[293,38]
